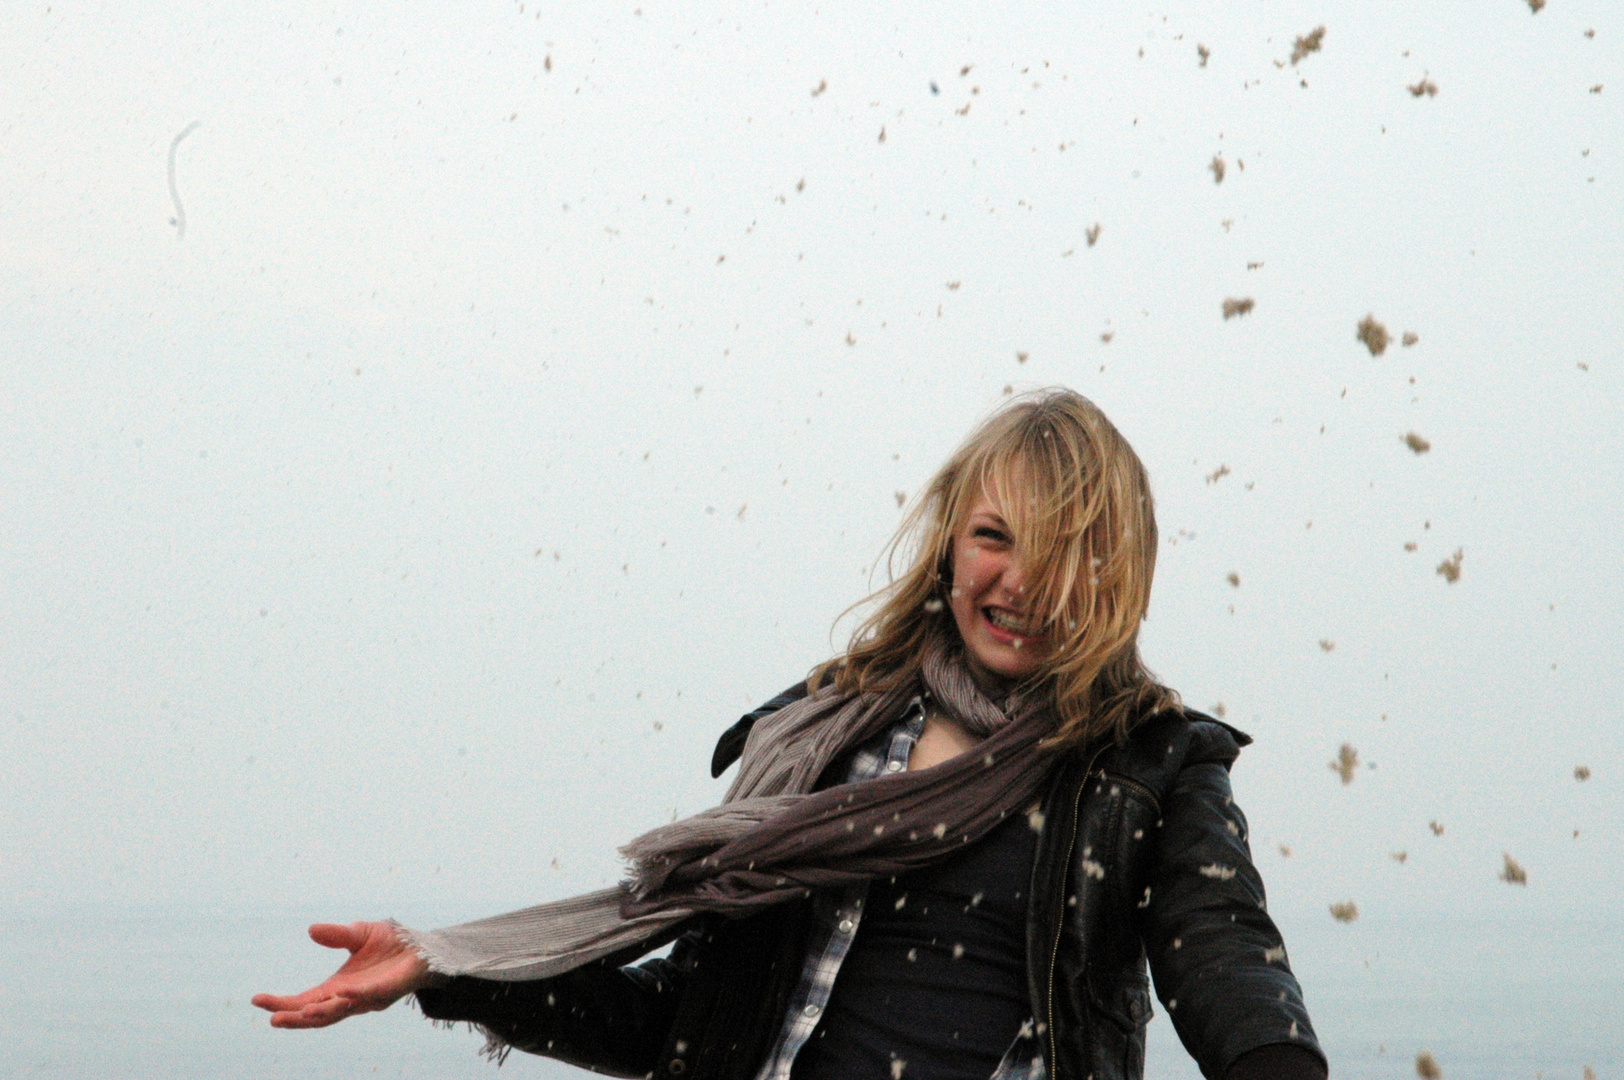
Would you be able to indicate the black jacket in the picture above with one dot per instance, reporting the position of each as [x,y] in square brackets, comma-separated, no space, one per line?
[1142,854]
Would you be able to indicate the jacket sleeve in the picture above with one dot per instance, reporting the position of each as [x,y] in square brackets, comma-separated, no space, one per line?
[600,1017]
[1218,961]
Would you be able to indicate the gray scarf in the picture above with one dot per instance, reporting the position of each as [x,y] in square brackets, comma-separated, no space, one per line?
[773,839]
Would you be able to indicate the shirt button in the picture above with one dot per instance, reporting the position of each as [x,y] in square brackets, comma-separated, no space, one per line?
[845,926]
[812,1010]
[895,766]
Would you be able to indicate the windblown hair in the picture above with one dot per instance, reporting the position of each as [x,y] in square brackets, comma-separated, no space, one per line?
[1077,500]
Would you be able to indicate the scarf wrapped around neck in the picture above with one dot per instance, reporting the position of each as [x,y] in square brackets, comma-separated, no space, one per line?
[773,838]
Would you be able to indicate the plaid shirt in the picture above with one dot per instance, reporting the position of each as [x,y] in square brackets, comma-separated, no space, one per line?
[836,913]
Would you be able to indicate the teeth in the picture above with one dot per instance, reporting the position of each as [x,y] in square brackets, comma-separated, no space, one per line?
[1008,622]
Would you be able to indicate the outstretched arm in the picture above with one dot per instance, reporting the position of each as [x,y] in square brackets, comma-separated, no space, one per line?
[380,971]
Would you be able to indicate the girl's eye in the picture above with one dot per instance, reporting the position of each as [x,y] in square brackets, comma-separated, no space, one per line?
[989,533]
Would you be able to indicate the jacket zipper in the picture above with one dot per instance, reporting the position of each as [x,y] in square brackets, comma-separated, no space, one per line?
[1054,953]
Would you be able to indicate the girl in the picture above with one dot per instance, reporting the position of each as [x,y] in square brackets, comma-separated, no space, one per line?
[948,854]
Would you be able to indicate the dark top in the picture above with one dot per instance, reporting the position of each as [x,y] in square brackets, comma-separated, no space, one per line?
[936,977]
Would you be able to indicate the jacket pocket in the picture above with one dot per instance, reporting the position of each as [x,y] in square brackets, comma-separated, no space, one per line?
[1126,1004]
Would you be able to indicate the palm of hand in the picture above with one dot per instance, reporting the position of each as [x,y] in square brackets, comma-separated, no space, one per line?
[380,971]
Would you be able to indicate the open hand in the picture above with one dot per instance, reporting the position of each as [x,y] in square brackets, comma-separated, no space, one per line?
[380,971]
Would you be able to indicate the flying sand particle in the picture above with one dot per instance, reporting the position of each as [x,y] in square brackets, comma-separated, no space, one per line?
[1218,474]
[1234,579]
[823,84]
[1373,334]
[1425,87]
[1327,645]
[1346,763]
[1203,52]
[1238,306]
[1513,874]
[1581,773]
[1425,1067]
[1436,827]
[1449,569]
[1410,338]
[1310,43]
[1345,912]
[1416,442]
[1217,167]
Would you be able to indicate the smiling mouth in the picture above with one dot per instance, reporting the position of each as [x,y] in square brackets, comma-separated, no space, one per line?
[1010,624]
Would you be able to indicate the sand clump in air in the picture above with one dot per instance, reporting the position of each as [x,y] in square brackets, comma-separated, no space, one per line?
[1346,764]
[1425,87]
[1426,1067]
[1308,43]
[1373,334]
[1581,773]
[1410,338]
[1345,912]
[1238,306]
[1217,167]
[1513,874]
[1449,569]
[1416,442]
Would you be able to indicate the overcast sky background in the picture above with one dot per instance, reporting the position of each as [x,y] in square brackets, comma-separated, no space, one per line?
[530,390]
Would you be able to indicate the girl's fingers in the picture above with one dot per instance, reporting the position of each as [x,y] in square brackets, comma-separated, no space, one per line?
[317,1015]
[278,1002]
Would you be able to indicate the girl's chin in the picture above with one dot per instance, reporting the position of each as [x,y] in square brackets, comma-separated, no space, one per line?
[1003,664]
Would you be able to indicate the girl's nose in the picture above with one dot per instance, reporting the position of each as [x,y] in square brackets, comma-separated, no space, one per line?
[1013,582]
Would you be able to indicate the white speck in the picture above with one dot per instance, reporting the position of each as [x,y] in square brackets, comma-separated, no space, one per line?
[1221,873]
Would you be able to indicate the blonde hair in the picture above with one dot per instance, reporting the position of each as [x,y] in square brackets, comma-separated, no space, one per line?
[1077,500]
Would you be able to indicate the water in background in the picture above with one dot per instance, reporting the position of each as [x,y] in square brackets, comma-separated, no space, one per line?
[148,995]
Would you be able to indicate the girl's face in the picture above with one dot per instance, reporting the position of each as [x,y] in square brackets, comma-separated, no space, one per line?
[989,600]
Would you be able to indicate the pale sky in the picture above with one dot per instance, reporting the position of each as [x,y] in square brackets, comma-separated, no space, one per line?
[530,390]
